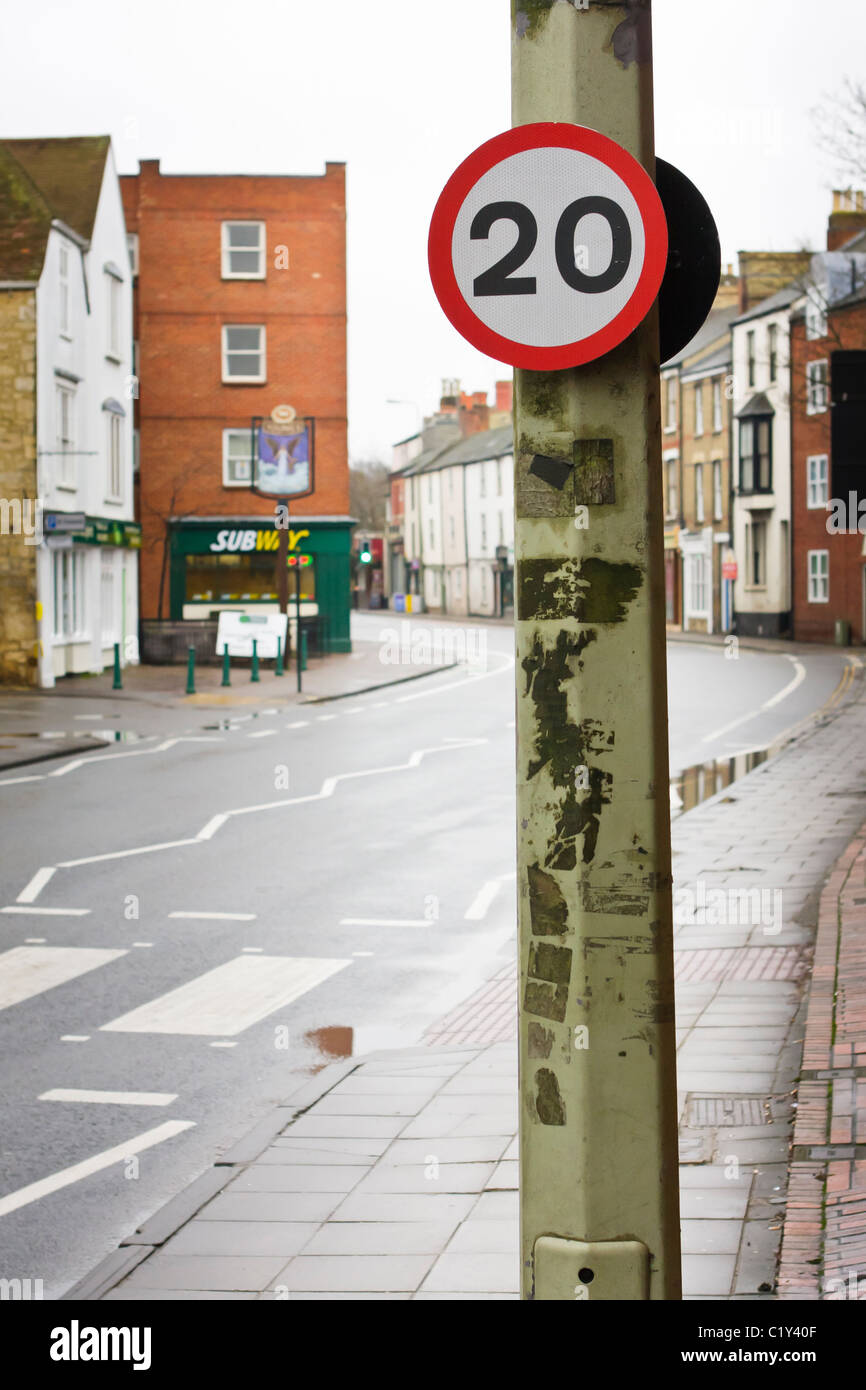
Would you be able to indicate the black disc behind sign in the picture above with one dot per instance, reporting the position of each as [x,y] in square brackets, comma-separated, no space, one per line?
[694,263]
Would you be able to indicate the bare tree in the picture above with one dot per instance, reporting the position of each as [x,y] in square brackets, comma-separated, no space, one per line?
[368,491]
[840,130]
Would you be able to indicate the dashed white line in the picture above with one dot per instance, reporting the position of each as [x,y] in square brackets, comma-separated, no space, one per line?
[21,911]
[66,1176]
[298,724]
[216,916]
[110,1097]
[482,900]
[322,718]
[222,1044]
[36,884]
[384,922]
[36,940]
[142,944]
[263,733]
[75,1037]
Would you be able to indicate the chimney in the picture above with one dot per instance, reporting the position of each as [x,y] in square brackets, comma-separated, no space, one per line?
[847,218]
[474,414]
[450,398]
[504,395]
[762,273]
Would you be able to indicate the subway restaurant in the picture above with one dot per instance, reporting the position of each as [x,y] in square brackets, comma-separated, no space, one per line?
[218,563]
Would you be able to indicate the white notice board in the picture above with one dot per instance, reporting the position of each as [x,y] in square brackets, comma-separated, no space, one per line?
[237,631]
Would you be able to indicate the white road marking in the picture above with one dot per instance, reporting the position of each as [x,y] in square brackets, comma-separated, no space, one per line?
[363,953]
[263,733]
[799,677]
[15,910]
[229,999]
[110,1097]
[75,1037]
[67,1176]
[298,724]
[103,717]
[459,685]
[323,717]
[36,884]
[222,1044]
[142,943]
[383,922]
[359,710]
[125,853]
[327,789]
[76,763]
[36,940]
[254,950]
[214,824]
[477,909]
[26,971]
[217,916]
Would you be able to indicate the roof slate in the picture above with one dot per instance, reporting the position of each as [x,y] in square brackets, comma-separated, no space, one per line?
[41,180]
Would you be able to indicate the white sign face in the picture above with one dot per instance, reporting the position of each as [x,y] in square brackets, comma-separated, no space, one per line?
[548,246]
[237,631]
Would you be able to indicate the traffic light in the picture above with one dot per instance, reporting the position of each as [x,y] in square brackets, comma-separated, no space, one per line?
[366,553]
[300,561]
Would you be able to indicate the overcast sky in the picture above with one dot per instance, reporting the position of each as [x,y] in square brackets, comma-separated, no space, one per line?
[402,91]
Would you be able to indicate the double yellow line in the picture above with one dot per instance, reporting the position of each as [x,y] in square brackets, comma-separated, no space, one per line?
[844,684]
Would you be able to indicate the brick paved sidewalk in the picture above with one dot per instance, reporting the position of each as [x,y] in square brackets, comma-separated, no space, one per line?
[824,1242]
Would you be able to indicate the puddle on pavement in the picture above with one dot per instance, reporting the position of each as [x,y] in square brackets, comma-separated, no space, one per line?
[332,1044]
[703,780]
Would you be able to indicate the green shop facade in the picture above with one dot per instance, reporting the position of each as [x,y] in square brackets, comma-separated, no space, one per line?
[218,563]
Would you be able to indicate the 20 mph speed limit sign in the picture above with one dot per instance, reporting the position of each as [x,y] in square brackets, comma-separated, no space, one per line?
[548,246]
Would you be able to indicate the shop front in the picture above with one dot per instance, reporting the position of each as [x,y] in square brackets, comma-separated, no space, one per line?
[229,563]
[88,594]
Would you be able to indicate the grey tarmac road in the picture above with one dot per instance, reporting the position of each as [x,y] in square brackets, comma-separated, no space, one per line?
[345,866]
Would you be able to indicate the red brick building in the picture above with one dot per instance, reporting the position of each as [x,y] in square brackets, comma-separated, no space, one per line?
[240,306]
[828,429]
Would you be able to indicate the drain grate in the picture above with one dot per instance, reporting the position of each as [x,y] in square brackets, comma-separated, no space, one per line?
[707,1112]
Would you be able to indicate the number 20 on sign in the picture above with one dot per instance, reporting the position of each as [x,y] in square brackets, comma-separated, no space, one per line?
[548,246]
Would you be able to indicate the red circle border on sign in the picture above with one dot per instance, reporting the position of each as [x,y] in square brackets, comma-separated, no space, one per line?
[535,136]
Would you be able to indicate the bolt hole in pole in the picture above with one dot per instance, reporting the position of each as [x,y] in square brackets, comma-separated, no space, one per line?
[585,1275]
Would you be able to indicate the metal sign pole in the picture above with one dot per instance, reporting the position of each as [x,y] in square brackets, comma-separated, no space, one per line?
[598,1141]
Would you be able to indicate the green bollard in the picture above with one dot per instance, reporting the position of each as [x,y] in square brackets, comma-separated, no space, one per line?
[227,662]
[117,683]
[303,651]
[255,674]
[278,669]
[190,672]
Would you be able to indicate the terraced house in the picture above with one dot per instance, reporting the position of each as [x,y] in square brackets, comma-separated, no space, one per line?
[69,548]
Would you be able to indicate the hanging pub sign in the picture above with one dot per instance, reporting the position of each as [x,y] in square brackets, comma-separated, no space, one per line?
[283,454]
